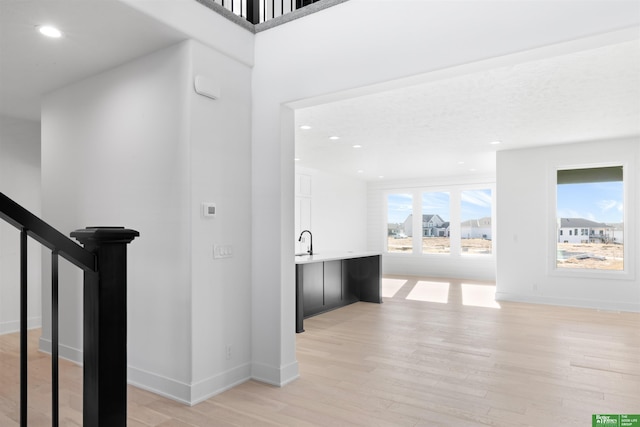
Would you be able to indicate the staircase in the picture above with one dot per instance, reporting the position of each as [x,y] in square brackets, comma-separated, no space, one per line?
[103,259]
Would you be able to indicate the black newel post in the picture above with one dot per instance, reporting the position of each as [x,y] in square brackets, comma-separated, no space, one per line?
[105,326]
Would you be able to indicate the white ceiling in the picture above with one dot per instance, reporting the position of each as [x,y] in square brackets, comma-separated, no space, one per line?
[98,35]
[420,130]
[445,127]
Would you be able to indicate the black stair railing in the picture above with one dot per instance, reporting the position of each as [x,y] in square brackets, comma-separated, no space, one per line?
[259,11]
[104,262]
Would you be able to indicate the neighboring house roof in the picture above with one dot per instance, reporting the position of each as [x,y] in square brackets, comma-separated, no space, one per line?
[580,222]
[480,222]
[431,217]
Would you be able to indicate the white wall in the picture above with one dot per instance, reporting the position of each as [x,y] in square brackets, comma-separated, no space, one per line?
[456,265]
[135,146]
[338,212]
[526,254]
[20,181]
[115,152]
[221,173]
[198,22]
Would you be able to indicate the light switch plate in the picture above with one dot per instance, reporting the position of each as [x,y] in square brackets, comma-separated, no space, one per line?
[222,251]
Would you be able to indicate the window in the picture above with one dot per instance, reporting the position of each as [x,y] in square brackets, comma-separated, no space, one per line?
[419,221]
[591,199]
[399,223]
[435,223]
[475,225]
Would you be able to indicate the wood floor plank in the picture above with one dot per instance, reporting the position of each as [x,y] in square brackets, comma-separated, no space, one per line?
[401,363]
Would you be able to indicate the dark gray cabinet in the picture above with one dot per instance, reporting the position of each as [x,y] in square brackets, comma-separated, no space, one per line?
[332,284]
[326,285]
[363,278]
[313,295]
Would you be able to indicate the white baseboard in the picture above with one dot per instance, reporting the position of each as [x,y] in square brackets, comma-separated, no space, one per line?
[188,394]
[203,390]
[64,351]
[14,325]
[278,376]
[569,302]
[158,384]
[191,394]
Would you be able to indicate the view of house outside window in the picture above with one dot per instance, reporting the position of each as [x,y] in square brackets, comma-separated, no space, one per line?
[435,223]
[399,223]
[475,225]
[430,233]
[590,218]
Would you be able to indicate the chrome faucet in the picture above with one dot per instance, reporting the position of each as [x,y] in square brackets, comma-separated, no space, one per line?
[310,241]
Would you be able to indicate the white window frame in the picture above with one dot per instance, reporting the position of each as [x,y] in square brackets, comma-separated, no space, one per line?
[455,192]
[629,216]
[491,187]
[385,205]
[417,245]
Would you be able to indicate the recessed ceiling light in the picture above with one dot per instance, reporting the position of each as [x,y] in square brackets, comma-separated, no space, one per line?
[305,127]
[49,31]
[461,163]
[357,146]
[494,142]
[380,176]
[334,138]
[297,159]
[360,171]
[472,170]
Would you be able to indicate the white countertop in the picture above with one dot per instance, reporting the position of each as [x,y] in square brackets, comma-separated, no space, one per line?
[332,256]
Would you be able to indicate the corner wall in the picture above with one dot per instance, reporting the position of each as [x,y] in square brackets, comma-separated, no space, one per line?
[20,181]
[220,145]
[115,152]
[136,146]
[526,227]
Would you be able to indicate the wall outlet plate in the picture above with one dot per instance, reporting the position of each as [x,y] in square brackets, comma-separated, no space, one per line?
[209,210]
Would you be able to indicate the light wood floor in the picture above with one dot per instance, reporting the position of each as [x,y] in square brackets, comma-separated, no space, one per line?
[407,362]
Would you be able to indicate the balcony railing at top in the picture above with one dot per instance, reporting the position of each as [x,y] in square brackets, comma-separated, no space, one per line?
[257,15]
[259,11]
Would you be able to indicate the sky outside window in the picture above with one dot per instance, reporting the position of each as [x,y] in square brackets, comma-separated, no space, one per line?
[399,206]
[600,201]
[475,204]
[436,204]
